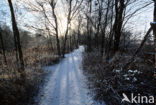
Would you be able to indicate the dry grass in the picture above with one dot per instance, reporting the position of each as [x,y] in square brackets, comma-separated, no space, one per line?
[12,90]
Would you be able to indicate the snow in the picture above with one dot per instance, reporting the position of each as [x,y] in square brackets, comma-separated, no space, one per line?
[134,79]
[134,72]
[130,71]
[65,85]
[131,75]
[117,71]
[127,79]
[125,75]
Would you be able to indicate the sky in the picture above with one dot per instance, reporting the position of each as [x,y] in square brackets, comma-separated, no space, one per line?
[139,23]
[6,16]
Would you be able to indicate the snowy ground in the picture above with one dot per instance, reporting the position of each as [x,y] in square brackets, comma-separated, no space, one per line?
[65,84]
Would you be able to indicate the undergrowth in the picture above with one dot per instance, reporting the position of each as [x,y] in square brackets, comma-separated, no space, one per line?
[13,91]
[108,81]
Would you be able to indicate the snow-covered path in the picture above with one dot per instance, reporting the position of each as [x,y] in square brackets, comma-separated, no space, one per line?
[65,85]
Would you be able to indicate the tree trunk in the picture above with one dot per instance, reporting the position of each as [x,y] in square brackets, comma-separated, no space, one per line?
[56,29]
[16,50]
[70,43]
[154,30]
[98,27]
[3,48]
[17,36]
[68,22]
[118,23]
[65,40]
[109,44]
[89,27]
[78,35]
[75,42]
[51,44]
[104,29]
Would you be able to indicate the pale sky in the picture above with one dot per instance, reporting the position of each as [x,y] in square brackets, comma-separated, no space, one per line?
[139,23]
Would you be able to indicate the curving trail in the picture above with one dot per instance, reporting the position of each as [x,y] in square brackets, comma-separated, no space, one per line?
[65,85]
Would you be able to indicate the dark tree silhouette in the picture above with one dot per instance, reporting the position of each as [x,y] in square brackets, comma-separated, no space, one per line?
[16,36]
[154,29]
[119,10]
[68,23]
[3,48]
[53,4]
[104,29]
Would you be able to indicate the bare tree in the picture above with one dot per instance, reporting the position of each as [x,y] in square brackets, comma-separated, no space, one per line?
[120,7]
[105,26]
[73,10]
[124,10]
[47,9]
[79,28]
[16,36]
[68,23]
[89,25]
[110,35]
[53,4]
[53,22]
[99,3]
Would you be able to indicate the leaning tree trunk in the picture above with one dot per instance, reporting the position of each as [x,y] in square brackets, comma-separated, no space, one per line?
[154,30]
[3,48]
[17,36]
[139,49]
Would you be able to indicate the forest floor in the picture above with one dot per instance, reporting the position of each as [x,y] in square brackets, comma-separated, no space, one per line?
[65,84]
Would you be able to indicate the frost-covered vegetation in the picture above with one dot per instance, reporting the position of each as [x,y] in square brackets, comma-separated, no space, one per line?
[108,80]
